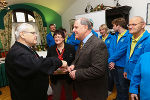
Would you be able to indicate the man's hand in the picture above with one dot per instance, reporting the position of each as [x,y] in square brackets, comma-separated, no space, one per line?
[70,68]
[73,74]
[125,75]
[111,65]
[134,97]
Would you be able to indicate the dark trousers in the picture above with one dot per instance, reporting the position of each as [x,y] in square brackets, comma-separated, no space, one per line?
[110,80]
[122,84]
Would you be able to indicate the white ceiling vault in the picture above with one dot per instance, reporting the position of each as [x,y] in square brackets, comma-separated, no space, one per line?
[57,5]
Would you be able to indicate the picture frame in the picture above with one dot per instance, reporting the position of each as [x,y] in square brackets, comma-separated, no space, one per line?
[71,22]
[148,14]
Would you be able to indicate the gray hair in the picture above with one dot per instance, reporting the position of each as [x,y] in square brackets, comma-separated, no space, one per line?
[20,28]
[85,21]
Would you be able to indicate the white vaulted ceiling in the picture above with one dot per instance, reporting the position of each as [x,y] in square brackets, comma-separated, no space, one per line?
[57,5]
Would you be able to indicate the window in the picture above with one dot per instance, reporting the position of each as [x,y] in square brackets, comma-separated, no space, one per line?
[21,15]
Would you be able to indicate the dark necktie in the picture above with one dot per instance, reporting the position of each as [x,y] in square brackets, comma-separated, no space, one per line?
[81,44]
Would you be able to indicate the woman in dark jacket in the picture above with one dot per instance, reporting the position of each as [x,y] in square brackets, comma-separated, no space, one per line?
[59,78]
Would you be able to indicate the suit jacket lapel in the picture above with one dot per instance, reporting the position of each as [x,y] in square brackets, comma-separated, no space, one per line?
[79,51]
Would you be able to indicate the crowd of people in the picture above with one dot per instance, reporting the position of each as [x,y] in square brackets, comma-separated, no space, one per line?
[89,64]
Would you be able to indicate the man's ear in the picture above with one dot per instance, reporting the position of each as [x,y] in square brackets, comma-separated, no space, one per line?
[21,34]
[86,27]
[144,24]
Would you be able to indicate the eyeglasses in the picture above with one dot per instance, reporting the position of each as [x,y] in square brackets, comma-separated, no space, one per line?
[133,24]
[31,32]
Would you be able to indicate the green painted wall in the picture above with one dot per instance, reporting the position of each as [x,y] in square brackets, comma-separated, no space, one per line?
[48,15]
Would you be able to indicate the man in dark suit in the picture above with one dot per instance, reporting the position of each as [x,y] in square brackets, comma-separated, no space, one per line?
[89,69]
[27,72]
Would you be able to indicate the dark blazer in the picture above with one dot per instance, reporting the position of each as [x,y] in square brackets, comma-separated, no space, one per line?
[68,56]
[91,70]
[28,73]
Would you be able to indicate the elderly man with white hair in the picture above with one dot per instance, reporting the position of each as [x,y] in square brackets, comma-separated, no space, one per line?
[27,72]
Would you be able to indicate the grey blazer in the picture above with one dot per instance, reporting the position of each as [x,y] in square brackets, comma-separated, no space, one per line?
[91,70]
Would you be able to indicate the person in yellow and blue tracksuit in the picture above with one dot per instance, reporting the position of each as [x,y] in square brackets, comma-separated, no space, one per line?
[139,43]
[73,41]
[49,36]
[117,59]
[140,78]
[107,38]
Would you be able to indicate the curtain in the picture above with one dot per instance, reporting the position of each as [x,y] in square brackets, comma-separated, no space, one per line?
[42,30]
[5,35]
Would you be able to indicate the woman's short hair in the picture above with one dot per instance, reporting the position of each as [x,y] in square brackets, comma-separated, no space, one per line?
[59,32]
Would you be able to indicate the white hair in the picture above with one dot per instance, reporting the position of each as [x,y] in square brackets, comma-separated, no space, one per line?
[20,28]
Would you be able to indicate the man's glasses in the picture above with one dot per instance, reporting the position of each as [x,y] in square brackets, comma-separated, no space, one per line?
[133,24]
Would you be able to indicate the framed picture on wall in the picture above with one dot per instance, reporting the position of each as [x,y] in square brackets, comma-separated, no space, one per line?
[148,14]
[71,22]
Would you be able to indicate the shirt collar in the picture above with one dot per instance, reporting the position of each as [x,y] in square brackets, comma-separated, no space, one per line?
[121,34]
[87,37]
[137,39]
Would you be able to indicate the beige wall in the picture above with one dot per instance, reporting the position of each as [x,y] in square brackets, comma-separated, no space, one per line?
[139,8]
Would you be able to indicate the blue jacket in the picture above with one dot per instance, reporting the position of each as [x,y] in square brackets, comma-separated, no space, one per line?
[50,40]
[142,46]
[94,33]
[71,40]
[118,50]
[108,40]
[141,76]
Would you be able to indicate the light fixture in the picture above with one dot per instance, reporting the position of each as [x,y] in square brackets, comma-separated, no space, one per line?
[3,5]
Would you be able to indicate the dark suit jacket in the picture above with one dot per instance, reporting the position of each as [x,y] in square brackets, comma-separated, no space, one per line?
[28,73]
[68,56]
[91,70]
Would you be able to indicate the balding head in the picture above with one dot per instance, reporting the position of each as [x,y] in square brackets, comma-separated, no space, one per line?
[136,26]
[138,19]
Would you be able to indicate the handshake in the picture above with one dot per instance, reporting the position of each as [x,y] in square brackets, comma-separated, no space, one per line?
[65,68]
[62,69]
